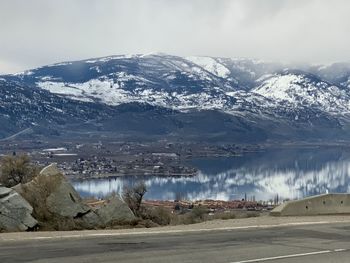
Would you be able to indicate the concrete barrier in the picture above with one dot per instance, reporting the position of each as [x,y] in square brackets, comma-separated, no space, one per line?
[327,204]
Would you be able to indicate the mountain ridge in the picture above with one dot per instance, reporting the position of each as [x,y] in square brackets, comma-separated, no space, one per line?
[264,97]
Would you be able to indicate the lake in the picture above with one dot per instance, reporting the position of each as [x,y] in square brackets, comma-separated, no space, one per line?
[288,173]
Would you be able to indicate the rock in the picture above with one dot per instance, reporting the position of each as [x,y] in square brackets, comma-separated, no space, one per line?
[65,201]
[4,191]
[18,188]
[115,210]
[55,192]
[50,170]
[91,220]
[15,211]
[52,191]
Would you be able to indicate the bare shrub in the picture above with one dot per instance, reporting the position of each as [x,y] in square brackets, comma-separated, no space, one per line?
[199,212]
[133,197]
[197,215]
[17,169]
[158,215]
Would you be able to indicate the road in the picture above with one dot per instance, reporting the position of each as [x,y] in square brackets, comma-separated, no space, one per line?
[319,242]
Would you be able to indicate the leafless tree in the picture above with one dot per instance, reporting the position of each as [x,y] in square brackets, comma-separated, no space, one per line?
[133,196]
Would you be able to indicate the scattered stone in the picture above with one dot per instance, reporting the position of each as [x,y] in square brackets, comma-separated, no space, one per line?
[15,211]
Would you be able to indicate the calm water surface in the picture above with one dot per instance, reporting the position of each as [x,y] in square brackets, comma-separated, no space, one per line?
[290,173]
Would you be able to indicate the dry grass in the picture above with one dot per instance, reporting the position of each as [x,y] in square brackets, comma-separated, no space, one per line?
[16,170]
[36,193]
[161,216]
[158,215]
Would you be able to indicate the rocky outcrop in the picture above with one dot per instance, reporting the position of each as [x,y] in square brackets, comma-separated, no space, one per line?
[55,201]
[90,220]
[115,210]
[66,202]
[15,211]
[55,192]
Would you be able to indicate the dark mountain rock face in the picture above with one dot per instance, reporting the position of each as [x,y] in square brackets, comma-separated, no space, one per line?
[194,98]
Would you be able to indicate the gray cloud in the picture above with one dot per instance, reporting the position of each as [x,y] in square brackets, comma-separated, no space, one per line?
[38,32]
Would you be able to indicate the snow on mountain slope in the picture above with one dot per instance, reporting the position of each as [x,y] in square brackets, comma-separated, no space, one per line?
[112,94]
[300,89]
[231,98]
[211,65]
[235,86]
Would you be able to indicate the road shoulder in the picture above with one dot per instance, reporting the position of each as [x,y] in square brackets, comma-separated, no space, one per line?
[215,225]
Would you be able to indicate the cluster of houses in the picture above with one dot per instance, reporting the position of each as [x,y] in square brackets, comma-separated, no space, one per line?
[160,164]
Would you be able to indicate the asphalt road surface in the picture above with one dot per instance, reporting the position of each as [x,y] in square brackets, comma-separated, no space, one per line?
[326,242]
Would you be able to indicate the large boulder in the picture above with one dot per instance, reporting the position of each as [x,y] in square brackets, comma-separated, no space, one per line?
[66,202]
[55,192]
[90,220]
[112,212]
[115,210]
[15,211]
[63,200]
[55,199]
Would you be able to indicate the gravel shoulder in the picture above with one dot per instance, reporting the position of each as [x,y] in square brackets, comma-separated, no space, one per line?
[215,225]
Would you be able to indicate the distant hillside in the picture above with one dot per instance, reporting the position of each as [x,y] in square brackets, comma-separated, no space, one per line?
[193,98]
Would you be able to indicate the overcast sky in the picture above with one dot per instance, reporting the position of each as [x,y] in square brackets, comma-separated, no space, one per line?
[39,32]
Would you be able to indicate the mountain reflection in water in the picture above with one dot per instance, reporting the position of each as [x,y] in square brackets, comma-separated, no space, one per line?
[290,173]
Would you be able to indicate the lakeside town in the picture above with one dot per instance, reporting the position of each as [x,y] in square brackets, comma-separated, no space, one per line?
[102,159]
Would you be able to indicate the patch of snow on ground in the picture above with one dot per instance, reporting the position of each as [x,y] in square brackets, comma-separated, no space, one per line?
[60,64]
[25,73]
[97,68]
[211,65]
[104,91]
[106,59]
[278,86]
[59,88]
[49,78]
[155,53]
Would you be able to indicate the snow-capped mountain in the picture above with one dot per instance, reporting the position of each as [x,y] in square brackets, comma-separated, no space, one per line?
[264,98]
